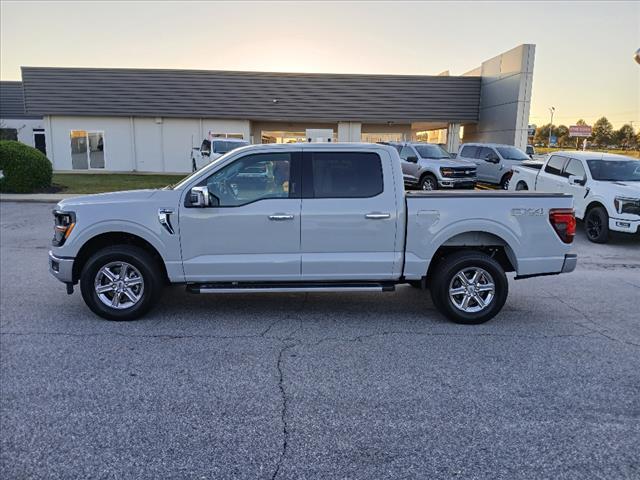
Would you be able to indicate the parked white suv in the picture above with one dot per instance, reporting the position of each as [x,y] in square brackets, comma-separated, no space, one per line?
[605,188]
[494,161]
[213,149]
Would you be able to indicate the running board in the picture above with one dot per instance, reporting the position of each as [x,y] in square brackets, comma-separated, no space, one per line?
[251,287]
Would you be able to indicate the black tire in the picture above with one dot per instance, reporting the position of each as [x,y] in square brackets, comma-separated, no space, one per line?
[596,225]
[504,183]
[193,165]
[428,182]
[445,276]
[522,186]
[152,281]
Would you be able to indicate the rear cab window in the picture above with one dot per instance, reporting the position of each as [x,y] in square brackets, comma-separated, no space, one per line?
[554,165]
[469,151]
[343,175]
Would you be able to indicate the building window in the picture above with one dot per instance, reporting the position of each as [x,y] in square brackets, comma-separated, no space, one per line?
[9,134]
[87,150]
[213,135]
[382,137]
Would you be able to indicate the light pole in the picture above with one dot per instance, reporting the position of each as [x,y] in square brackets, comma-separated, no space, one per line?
[552,109]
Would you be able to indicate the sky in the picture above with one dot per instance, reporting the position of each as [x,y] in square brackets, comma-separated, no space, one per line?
[584,63]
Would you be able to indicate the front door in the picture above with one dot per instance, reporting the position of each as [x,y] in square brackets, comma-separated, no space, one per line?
[349,216]
[486,170]
[252,233]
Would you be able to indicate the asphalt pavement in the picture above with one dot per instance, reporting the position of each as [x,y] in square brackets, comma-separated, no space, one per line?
[314,386]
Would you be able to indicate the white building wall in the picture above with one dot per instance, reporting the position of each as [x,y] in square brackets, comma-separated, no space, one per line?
[148,145]
[505,97]
[117,140]
[24,126]
[144,144]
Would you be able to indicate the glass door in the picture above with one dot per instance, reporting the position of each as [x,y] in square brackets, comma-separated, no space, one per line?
[87,150]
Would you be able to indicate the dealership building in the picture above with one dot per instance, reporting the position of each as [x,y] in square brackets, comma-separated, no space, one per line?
[148,120]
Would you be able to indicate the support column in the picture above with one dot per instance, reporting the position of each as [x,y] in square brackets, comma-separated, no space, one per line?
[453,137]
[349,131]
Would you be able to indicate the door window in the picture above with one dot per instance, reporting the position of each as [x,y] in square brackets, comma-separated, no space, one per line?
[574,167]
[252,178]
[346,174]
[406,153]
[485,153]
[554,165]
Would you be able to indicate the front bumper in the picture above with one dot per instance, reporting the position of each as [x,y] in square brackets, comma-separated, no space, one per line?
[624,225]
[457,183]
[61,268]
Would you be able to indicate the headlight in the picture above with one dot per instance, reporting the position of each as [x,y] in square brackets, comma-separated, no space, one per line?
[447,172]
[64,223]
[627,205]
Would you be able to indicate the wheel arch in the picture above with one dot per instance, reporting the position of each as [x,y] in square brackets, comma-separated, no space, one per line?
[492,244]
[102,240]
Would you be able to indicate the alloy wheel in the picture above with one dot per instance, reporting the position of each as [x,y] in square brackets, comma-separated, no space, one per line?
[119,285]
[472,289]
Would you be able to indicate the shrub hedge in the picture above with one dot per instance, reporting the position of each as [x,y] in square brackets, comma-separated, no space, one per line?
[25,169]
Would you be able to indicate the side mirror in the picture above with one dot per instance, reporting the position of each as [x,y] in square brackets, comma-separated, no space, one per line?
[201,198]
[576,180]
[492,159]
[412,159]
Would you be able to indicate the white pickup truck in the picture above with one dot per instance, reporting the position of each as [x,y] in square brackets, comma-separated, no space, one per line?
[329,217]
[605,188]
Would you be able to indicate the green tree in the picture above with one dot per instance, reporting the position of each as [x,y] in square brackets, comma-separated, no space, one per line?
[602,132]
[562,132]
[581,122]
[624,136]
[542,134]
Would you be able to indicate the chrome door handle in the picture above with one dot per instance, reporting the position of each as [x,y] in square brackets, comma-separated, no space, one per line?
[280,216]
[377,216]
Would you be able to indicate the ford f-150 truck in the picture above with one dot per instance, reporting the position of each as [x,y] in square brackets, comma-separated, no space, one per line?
[329,217]
[605,188]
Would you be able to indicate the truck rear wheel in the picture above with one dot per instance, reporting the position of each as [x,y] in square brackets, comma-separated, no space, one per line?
[469,287]
[121,282]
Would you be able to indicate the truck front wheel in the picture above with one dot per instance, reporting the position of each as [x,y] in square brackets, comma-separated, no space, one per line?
[469,287]
[428,182]
[596,225]
[121,282]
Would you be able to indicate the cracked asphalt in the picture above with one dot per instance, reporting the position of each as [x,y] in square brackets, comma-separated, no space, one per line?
[294,386]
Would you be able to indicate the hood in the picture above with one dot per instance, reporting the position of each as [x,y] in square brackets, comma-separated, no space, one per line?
[627,189]
[453,162]
[111,197]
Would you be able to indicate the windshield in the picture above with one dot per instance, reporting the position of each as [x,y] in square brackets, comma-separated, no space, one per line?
[431,151]
[512,153]
[615,170]
[223,146]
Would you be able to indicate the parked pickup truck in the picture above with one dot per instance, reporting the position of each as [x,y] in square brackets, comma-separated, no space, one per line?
[605,187]
[428,166]
[212,149]
[330,217]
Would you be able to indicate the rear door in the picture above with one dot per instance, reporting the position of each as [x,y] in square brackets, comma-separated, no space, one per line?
[349,216]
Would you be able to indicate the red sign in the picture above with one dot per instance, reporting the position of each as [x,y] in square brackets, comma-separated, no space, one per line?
[579,131]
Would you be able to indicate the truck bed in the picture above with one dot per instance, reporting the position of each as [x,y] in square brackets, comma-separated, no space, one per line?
[515,220]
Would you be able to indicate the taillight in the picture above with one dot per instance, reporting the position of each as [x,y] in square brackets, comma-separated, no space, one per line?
[563,221]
